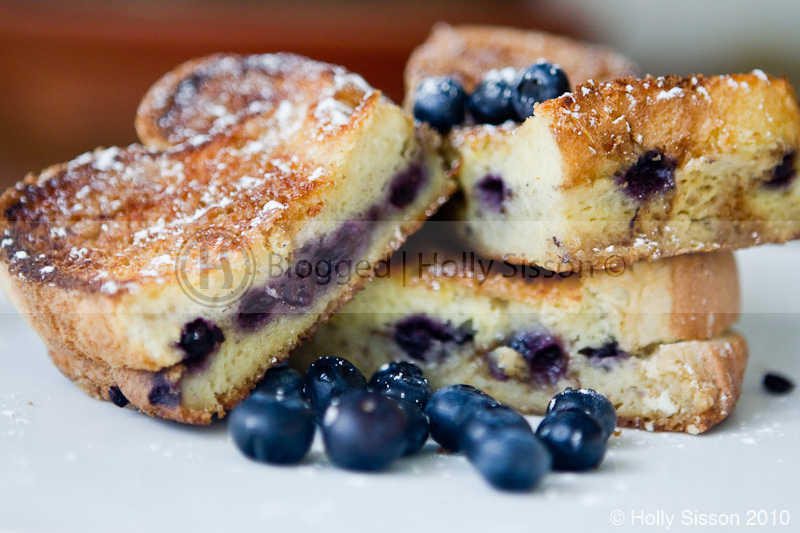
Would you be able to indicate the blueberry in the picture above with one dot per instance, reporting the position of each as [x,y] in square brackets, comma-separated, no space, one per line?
[544,355]
[394,381]
[448,410]
[272,430]
[199,338]
[406,185]
[423,338]
[777,384]
[575,440]
[607,350]
[491,192]
[396,368]
[440,101]
[329,378]
[491,101]
[488,420]
[590,402]
[364,430]
[116,396]
[653,172]
[511,459]
[418,428]
[784,173]
[537,83]
[280,382]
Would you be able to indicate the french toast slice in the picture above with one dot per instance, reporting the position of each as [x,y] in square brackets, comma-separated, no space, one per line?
[636,169]
[169,277]
[622,167]
[652,336]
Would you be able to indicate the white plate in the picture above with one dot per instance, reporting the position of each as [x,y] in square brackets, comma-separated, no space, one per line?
[71,463]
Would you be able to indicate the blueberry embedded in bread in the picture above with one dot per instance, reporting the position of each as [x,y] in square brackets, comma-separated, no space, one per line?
[620,168]
[173,274]
[636,169]
[653,338]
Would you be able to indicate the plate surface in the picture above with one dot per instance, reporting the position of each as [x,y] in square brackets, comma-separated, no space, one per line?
[71,463]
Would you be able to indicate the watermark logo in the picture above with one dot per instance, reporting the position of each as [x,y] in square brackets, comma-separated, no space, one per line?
[215,267]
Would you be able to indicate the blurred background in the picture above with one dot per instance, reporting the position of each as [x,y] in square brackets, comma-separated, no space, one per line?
[74,72]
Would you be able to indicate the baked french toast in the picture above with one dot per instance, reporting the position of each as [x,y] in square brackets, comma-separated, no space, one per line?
[636,169]
[620,167]
[653,337]
[169,276]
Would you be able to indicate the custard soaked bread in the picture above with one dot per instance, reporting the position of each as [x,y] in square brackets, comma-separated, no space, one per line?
[653,337]
[170,276]
[629,168]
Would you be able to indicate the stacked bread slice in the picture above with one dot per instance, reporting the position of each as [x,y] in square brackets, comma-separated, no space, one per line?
[602,258]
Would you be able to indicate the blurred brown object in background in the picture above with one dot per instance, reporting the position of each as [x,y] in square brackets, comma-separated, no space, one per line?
[73,73]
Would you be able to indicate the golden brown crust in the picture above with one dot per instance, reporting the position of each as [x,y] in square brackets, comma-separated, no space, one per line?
[468,52]
[120,208]
[209,95]
[601,127]
[722,140]
[719,372]
[95,377]
[706,297]
[92,247]
[703,289]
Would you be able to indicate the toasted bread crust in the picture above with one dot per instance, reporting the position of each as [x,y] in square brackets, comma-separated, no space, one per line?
[94,250]
[604,126]
[211,95]
[468,52]
[95,377]
[703,289]
[720,367]
[724,138]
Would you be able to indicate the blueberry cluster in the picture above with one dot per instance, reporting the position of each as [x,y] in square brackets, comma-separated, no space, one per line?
[363,428]
[501,95]
[504,448]
[368,427]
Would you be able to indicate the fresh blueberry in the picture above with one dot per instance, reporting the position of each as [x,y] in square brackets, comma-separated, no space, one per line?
[491,101]
[329,378]
[590,402]
[418,428]
[280,382]
[537,83]
[364,430]
[440,101]
[396,368]
[777,384]
[448,410]
[511,459]
[272,430]
[487,420]
[394,380]
[575,440]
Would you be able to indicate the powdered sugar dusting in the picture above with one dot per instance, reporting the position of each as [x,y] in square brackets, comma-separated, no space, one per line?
[117,206]
[668,95]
